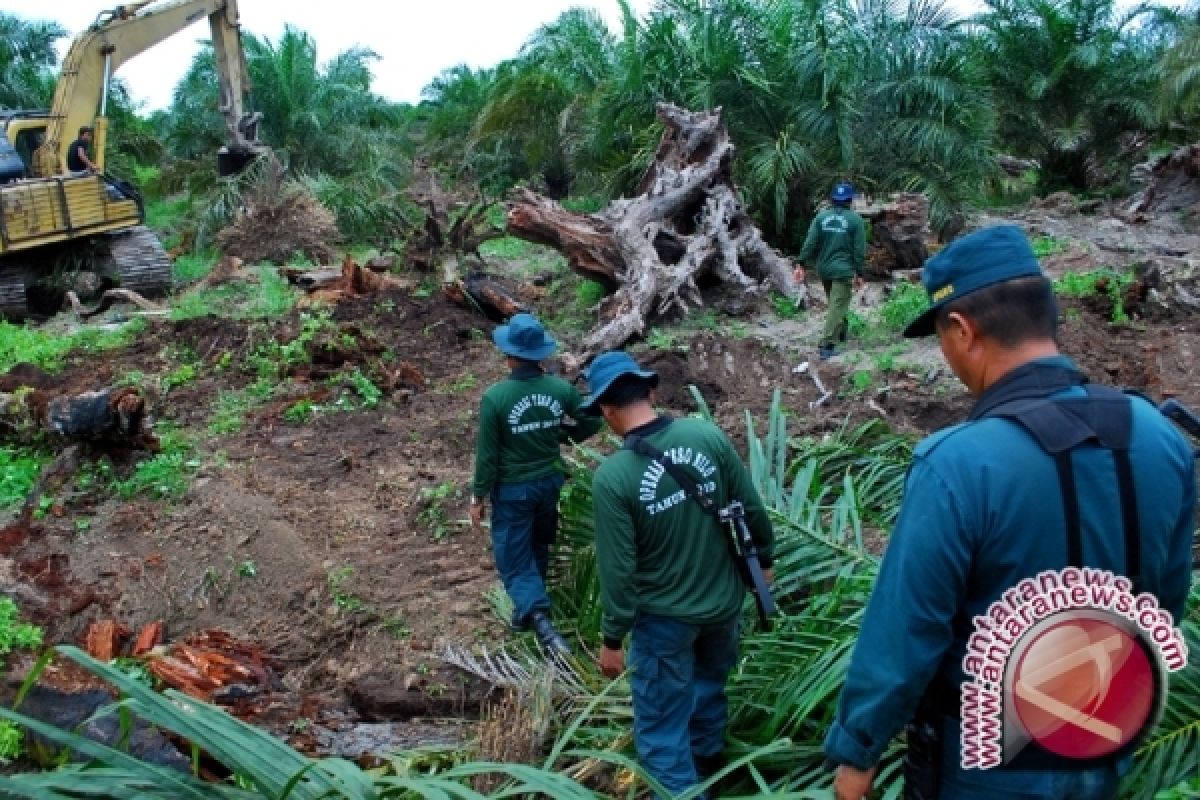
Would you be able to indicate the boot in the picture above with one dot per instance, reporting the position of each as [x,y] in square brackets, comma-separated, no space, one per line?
[551,640]
[825,352]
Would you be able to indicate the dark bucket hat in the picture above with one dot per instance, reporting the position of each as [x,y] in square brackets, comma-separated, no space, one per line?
[976,261]
[605,369]
[524,337]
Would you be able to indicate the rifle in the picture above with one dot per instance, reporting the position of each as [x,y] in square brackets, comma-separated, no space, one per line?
[746,557]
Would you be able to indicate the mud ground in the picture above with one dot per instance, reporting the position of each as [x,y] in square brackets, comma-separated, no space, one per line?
[359,577]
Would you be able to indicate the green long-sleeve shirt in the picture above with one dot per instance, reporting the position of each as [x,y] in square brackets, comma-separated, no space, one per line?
[837,239]
[521,424]
[656,548]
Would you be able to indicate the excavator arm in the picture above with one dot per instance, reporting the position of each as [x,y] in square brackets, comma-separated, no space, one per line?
[120,34]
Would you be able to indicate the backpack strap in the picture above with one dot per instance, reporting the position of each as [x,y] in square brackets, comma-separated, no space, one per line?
[1059,425]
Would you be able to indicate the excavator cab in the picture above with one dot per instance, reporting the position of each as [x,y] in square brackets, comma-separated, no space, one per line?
[12,166]
[56,225]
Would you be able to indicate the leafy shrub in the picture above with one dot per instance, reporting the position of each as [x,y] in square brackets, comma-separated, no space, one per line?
[1101,281]
[588,294]
[13,635]
[903,305]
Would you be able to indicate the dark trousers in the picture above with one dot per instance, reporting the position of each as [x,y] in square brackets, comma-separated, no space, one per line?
[679,706]
[524,527]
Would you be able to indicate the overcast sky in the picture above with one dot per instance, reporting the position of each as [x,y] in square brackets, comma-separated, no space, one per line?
[415,39]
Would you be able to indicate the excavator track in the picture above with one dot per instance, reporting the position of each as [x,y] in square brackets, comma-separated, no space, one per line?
[141,264]
[12,292]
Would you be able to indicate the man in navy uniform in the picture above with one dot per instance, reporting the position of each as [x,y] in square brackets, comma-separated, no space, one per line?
[989,503]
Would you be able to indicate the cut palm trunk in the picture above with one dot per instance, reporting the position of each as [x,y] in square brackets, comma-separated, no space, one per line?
[107,416]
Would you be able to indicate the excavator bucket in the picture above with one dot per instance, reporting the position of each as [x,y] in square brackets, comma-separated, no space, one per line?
[230,162]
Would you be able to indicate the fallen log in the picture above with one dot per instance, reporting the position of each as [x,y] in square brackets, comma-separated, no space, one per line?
[652,250]
[479,292]
[107,416]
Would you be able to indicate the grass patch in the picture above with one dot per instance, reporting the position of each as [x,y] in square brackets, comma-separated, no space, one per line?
[19,469]
[1098,282]
[168,474]
[510,248]
[191,267]
[785,307]
[271,296]
[164,215]
[49,349]
[230,412]
[1044,246]
[588,294]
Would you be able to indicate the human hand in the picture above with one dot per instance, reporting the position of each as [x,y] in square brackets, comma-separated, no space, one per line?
[612,662]
[798,274]
[851,783]
[477,509]
[859,283]
[769,575]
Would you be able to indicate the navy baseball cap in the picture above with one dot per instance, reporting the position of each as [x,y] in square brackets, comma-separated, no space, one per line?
[842,191]
[524,337]
[978,260]
[605,369]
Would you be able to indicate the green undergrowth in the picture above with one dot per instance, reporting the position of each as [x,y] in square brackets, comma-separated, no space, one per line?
[19,469]
[49,350]
[14,635]
[1110,283]
[191,267]
[1044,246]
[164,476]
[266,297]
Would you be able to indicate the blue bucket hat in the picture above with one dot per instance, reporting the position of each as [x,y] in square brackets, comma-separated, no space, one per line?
[976,261]
[842,192]
[605,369]
[524,337]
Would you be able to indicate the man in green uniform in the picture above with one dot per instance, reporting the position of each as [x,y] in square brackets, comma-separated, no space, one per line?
[522,421]
[837,239]
[667,574]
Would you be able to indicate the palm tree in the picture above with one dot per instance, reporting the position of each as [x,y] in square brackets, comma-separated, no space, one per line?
[538,106]
[1180,99]
[1069,78]
[27,58]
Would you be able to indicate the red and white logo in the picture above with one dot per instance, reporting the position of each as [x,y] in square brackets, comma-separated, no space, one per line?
[1072,662]
[1084,687]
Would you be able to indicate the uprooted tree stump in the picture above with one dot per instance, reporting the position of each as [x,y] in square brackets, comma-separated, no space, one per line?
[278,219]
[451,227]
[900,228]
[1172,183]
[652,250]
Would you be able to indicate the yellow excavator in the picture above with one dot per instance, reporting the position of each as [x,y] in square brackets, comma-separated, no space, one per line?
[55,222]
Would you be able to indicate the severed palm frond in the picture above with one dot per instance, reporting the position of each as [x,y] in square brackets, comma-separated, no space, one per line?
[1171,753]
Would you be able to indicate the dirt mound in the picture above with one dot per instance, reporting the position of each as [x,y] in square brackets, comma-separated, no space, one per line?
[275,229]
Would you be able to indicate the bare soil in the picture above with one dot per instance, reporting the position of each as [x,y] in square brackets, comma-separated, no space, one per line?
[353,591]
